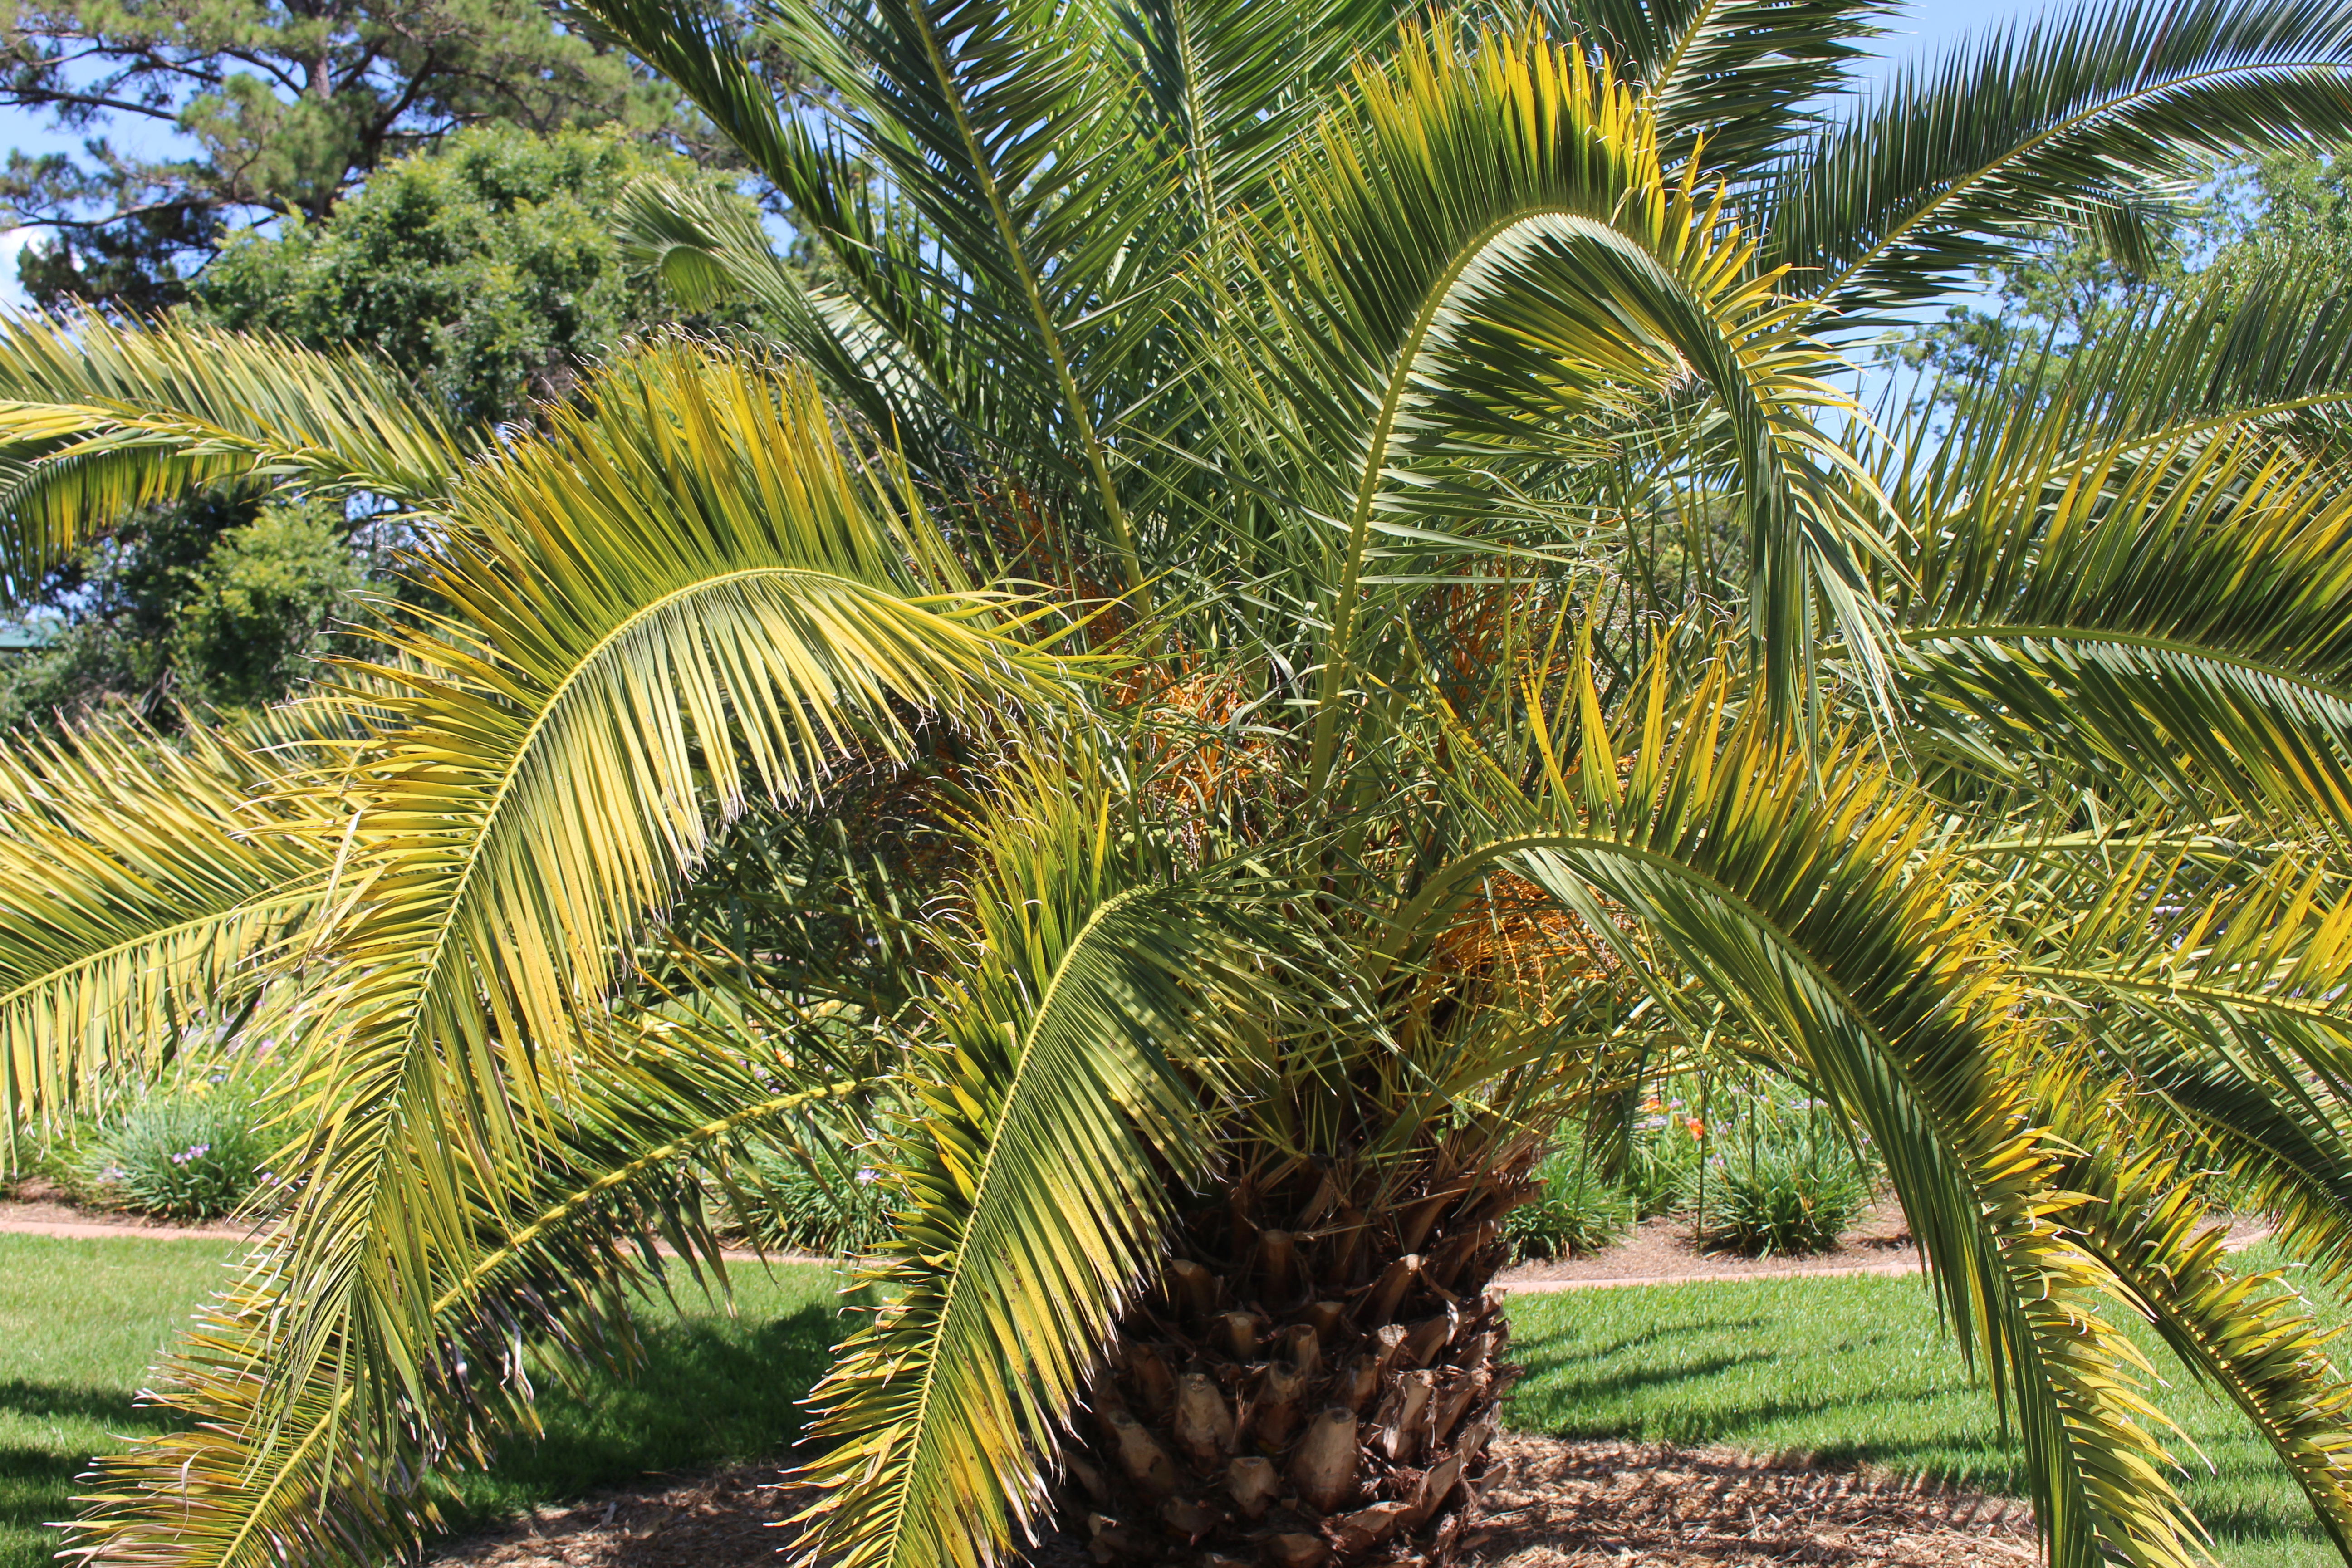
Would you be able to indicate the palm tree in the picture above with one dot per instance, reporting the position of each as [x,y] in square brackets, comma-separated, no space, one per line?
[1323,559]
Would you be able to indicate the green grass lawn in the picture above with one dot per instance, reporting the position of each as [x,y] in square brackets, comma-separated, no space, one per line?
[1850,1369]
[80,1321]
[1853,1369]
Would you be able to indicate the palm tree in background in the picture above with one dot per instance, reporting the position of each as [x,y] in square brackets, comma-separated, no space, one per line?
[1299,608]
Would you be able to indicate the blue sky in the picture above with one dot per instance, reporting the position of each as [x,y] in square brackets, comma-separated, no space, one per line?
[1925,28]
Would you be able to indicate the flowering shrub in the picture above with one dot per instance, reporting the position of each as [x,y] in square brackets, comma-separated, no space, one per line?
[192,1151]
[785,1209]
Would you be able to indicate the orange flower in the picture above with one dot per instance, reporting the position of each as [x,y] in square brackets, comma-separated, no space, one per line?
[1698,1128]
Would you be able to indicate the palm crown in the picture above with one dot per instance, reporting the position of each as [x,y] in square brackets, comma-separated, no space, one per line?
[1300,604]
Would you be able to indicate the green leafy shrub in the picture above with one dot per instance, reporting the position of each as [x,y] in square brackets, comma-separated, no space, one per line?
[188,1151]
[256,614]
[1779,1197]
[786,1208]
[1580,1211]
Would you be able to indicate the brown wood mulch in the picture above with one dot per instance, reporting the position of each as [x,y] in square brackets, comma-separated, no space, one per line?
[1549,1503]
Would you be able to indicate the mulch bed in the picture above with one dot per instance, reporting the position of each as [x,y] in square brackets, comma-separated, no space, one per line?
[1555,1504]
[1549,1504]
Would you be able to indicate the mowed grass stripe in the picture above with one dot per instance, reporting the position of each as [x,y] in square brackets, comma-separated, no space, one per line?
[1856,1368]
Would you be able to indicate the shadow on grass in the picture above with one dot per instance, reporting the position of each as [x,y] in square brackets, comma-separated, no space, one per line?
[112,1407]
[709,1392]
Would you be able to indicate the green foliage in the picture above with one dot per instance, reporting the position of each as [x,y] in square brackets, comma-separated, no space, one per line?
[1780,1196]
[1579,1210]
[275,112]
[1369,379]
[486,266]
[257,612]
[213,600]
[191,1150]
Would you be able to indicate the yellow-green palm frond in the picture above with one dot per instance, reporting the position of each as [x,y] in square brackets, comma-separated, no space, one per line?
[2253,1336]
[2220,999]
[261,1475]
[684,593]
[1083,978]
[97,418]
[144,882]
[1805,890]
[1491,259]
[2175,615]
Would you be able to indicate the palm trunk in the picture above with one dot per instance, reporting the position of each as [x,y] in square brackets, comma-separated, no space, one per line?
[1315,1382]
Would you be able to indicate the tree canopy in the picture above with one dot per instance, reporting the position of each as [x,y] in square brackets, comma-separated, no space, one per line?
[281,109]
[486,271]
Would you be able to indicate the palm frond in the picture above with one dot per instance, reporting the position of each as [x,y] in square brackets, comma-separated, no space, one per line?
[2083,108]
[144,883]
[96,418]
[260,1475]
[1803,891]
[2253,1336]
[1739,79]
[1493,254]
[1055,1111]
[2178,616]
[685,592]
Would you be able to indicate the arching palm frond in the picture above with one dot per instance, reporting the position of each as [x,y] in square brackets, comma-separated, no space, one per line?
[683,593]
[1741,79]
[97,418]
[143,885]
[1493,256]
[2175,617]
[1804,891]
[2077,112]
[262,1474]
[1087,992]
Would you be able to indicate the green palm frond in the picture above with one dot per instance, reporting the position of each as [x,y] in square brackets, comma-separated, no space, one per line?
[1491,255]
[2217,998]
[2086,108]
[97,418]
[1731,82]
[1014,193]
[683,593]
[2178,616]
[1086,980]
[1804,891]
[143,884]
[2253,1336]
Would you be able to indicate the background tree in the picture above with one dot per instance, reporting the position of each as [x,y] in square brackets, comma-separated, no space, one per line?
[282,108]
[486,271]
[2286,216]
